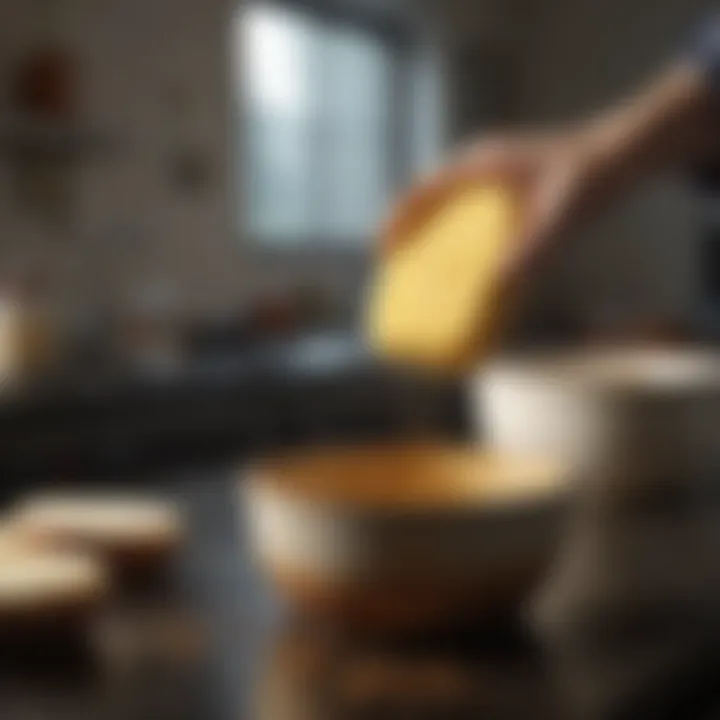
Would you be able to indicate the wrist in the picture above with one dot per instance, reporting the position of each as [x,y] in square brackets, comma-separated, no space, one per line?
[669,125]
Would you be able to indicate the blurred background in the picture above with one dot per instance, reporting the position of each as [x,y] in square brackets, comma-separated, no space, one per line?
[190,193]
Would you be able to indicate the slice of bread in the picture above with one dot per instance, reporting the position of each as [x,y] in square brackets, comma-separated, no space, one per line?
[42,584]
[49,597]
[435,300]
[125,530]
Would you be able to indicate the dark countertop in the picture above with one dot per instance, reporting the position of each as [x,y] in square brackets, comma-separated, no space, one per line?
[216,643]
[309,390]
[302,358]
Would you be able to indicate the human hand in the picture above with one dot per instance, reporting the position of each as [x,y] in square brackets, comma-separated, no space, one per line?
[559,178]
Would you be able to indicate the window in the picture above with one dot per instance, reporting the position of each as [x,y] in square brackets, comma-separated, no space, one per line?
[322,150]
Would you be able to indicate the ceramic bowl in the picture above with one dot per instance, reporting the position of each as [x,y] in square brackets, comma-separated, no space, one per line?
[404,536]
[650,415]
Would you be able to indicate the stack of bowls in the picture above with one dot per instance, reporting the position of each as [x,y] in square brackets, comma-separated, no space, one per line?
[641,428]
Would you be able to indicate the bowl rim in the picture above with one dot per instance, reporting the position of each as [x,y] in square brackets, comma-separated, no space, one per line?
[657,371]
[264,474]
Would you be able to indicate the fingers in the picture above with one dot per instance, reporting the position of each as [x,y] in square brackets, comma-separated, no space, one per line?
[492,161]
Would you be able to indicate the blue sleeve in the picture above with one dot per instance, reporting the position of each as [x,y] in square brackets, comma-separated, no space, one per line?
[704,51]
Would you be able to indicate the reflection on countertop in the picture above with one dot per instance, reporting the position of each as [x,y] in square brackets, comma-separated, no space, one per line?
[309,674]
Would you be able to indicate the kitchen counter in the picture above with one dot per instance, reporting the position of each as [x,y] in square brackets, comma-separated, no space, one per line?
[215,644]
[314,389]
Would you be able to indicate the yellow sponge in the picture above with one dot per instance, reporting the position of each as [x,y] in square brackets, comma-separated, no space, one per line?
[434,300]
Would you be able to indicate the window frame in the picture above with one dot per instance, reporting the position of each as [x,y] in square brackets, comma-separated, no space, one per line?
[398,38]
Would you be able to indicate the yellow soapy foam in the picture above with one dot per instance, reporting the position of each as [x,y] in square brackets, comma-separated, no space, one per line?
[434,301]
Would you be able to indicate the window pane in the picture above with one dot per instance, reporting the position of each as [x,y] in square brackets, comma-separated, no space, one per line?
[278,70]
[357,122]
[318,121]
[428,104]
